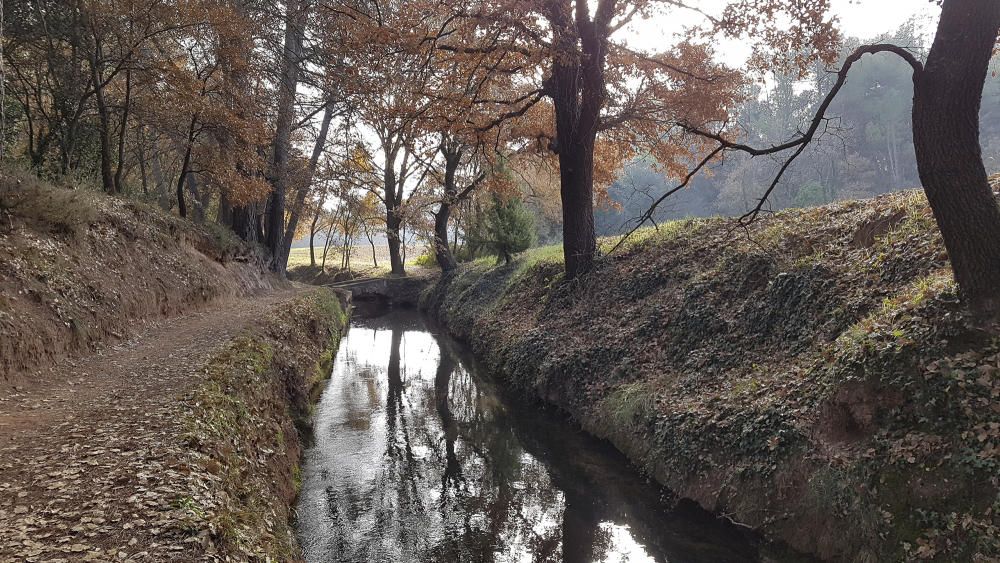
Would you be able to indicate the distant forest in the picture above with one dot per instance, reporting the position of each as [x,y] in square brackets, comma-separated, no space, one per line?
[867,151]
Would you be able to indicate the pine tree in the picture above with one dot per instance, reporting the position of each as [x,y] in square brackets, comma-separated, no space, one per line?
[504,228]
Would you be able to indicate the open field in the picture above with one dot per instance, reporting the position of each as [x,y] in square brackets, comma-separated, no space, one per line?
[361,257]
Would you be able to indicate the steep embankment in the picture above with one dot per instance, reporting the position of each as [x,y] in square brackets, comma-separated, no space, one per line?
[815,377]
[78,269]
[179,445]
[173,440]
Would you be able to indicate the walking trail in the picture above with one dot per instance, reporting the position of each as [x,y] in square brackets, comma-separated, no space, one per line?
[92,458]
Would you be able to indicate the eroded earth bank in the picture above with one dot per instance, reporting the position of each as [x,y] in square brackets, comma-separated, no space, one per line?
[152,380]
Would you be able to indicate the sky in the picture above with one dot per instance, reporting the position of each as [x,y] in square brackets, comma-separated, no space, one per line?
[869,18]
[859,18]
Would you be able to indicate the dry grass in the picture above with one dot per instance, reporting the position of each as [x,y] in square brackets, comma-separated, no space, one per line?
[24,198]
[361,257]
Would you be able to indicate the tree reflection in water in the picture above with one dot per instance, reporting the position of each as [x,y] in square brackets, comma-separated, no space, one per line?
[418,458]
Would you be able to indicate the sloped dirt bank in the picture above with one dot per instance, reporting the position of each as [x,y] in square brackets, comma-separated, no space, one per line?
[817,380]
[177,445]
[244,428]
[79,270]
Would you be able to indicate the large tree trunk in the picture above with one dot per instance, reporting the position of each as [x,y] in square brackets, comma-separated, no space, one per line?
[224,215]
[578,95]
[947,96]
[576,182]
[291,60]
[392,215]
[185,167]
[452,158]
[392,224]
[445,259]
[181,205]
[246,222]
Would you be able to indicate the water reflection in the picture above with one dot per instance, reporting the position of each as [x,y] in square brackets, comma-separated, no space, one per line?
[417,458]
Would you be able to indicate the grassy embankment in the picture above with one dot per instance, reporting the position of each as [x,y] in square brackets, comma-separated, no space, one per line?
[817,379]
[244,423]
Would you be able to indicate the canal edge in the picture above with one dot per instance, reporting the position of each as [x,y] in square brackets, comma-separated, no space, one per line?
[249,422]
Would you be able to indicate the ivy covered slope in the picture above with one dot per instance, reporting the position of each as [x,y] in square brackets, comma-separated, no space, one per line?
[243,424]
[815,377]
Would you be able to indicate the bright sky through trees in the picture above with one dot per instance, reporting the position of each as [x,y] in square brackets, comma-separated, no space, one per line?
[864,19]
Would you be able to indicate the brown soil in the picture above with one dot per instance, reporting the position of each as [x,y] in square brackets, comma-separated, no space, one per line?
[79,270]
[91,460]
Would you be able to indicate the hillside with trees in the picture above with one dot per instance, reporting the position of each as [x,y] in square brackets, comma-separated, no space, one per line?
[867,149]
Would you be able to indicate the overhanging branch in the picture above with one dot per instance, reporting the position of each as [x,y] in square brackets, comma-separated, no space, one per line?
[798,143]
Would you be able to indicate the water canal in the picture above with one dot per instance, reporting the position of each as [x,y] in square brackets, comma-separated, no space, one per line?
[418,457]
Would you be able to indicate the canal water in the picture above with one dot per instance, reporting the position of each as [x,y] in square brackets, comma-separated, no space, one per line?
[419,458]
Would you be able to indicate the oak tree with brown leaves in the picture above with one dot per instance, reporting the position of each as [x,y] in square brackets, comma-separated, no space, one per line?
[596,103]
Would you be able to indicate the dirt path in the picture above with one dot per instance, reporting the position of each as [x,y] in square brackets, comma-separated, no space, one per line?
[90,460]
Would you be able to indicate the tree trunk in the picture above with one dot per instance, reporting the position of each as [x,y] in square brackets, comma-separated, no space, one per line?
[312,237]
[326,244]
[120,169]
[160,184]
[578,94]
[201,195]
[946,101]
[185,166]
[392,218]
[576,182]
[181,205]
[445,259]
[224,215]
[246,222]
[452,153]
[104,118]
[402,242]
[392,224]
[300,197]
[141,148]
[291,60]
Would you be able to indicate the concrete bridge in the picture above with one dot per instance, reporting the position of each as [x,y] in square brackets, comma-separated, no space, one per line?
[398,291]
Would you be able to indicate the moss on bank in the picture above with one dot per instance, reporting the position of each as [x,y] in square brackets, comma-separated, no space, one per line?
[242,429]
[815,378]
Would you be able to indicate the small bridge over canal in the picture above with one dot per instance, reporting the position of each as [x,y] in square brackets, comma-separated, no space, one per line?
[399,291]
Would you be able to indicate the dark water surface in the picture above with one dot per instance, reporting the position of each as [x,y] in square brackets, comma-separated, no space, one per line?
[417,457]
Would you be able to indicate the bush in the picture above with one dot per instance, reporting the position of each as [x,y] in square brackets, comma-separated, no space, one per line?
[44,207]
[426,260]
